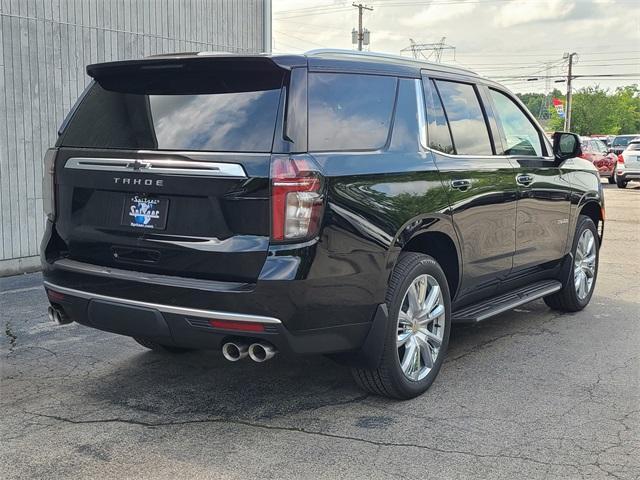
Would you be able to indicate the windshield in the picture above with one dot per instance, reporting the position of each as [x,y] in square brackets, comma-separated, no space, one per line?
[232,112]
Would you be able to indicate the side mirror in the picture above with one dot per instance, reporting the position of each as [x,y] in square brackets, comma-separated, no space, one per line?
[566,145]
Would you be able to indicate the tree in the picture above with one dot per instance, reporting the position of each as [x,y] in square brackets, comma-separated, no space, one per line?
[627,111]
[598,111]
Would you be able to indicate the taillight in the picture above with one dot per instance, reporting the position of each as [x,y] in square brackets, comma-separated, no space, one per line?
[620,159]
[48,184]
[296,198]
[583,155]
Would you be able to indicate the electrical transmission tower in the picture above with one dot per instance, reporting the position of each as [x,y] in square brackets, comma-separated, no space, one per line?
[544,114]
[428,51]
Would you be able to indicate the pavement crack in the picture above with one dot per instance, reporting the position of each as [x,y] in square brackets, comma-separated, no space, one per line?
[10,335]
[246,423]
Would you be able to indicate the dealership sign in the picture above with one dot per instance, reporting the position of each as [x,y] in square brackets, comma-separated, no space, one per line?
[557,103]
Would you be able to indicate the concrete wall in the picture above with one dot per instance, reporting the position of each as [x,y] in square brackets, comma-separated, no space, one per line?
[44,48]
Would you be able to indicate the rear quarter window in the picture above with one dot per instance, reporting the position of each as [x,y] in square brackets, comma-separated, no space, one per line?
[350,111]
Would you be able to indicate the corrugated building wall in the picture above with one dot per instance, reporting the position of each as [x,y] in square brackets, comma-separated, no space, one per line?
[44,48]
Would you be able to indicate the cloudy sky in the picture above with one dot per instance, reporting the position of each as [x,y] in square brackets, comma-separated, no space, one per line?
[501,39]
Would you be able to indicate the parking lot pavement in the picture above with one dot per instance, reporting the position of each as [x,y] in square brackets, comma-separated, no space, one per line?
[529,394]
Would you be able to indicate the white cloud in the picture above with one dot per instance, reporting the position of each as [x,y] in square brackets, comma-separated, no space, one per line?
[520,12]
[435,14]
[496,38]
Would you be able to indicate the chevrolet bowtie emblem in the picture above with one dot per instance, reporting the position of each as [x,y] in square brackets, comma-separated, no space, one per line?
[138,165]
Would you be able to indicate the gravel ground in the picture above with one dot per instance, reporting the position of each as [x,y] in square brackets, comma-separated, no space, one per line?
[528,394]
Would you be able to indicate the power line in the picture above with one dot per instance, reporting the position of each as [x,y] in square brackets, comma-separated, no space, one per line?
[541,54]
[300,39]
[604,75]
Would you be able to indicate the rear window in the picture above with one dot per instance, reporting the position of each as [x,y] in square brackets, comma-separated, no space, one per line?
[222,111]
[633,146]
[621,141]
[349,111]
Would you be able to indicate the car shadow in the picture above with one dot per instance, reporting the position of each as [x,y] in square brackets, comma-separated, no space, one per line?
[631,186]
[203,385]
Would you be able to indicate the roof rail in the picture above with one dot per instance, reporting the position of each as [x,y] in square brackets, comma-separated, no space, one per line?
[389,56]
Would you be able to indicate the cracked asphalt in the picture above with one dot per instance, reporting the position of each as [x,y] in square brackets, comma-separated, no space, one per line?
[528,394]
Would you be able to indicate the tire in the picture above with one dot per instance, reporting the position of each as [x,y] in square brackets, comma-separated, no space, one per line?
[389,378]
[621,183]
[611,179]
[569,298]
[157,347]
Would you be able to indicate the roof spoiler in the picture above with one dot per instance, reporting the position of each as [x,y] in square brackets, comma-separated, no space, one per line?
[195,62]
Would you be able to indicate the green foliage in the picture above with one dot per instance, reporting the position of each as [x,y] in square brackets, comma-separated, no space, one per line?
[595,110]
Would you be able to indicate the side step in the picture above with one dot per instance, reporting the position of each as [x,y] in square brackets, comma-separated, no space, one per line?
[493,306]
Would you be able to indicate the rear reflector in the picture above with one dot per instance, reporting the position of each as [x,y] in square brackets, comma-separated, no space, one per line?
[55,296]
[239,326]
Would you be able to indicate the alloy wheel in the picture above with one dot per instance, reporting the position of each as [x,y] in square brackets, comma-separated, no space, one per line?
[421,323]
[584,264]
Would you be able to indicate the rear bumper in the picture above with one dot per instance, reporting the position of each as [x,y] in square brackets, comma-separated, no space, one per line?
[314,300]
[190,327]
[628,174]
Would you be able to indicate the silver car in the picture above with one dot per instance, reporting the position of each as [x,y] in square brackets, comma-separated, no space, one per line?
[628,166]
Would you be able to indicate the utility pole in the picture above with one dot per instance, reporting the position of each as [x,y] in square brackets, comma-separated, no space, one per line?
[567,115]
[360,8]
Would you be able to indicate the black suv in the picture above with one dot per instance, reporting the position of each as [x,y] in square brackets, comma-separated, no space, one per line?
[338,203]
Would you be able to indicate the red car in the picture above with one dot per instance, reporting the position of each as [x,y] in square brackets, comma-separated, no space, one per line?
[597,153]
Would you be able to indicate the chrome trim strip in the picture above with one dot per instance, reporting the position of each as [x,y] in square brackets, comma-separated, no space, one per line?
[488,157]
[158,166]
[189,312]
[422,115]
[151,278]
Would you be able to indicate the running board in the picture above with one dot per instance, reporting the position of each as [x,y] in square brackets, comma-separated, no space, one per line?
[493,306]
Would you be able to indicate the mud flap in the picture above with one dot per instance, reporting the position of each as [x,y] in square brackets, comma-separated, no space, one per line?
[369,355]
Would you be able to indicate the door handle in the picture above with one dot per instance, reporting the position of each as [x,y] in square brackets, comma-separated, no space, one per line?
[461,184]
[524,180]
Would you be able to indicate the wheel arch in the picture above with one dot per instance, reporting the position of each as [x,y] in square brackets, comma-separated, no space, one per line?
[436,237]
[593,209]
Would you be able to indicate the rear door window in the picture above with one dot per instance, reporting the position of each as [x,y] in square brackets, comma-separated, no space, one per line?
[350,111]
[466,119]
[437,127]
[233,112]
[522,137]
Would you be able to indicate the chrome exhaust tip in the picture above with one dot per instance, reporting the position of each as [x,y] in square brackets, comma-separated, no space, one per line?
[58,316]
[234,351]
[262,351]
